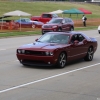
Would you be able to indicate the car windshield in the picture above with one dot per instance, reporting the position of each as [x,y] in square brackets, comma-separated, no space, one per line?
[27,20]
[55,38]
[54,20]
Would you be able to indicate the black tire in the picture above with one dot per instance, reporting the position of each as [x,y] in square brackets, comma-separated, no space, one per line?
[25,65]
[61,60]
[89,56]
[72,29]
[99,32]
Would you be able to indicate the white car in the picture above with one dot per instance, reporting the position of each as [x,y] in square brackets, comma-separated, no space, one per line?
[99,29]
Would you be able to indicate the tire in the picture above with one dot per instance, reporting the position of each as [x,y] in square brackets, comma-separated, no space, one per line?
[33,26]
[72,29]
[25,65]
[90,53]
[61,60]
[99,31]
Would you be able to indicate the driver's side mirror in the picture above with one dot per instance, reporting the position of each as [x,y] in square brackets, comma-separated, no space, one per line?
[84,41]
[36,39]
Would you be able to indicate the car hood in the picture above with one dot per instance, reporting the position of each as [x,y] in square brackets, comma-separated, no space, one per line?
[41,46]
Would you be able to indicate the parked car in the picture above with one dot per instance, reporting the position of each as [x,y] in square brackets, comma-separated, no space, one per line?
[58,24]
[57,48]
[27,23]
[45,17]
[99,29]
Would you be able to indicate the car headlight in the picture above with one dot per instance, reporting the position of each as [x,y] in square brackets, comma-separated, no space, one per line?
[54,26]
[23,51]
[49,53]
[18,51]
[42,26]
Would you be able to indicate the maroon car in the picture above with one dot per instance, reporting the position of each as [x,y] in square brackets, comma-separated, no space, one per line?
[58,24]
[57,48]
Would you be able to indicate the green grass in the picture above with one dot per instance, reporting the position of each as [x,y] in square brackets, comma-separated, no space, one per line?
[37,32]
[37,8]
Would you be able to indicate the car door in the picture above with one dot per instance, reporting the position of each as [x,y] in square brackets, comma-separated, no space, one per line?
[67,24]
[63,25]
[77,47]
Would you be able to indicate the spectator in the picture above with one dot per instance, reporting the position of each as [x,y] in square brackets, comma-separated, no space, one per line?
[84,20]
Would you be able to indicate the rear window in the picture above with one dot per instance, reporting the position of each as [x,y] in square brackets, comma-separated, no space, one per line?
[46,16]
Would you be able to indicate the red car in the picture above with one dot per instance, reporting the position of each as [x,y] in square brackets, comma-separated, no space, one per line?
[57,48]
[58,24]
[44,17]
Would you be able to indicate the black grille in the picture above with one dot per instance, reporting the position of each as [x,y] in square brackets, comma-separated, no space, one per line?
[39,53]
[47,26]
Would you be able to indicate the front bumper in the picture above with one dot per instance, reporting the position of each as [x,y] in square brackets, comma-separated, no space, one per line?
[36,60]
[99,29]
[48,30]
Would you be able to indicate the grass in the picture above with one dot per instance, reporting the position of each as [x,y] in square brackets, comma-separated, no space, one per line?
[37,8]
[37,32]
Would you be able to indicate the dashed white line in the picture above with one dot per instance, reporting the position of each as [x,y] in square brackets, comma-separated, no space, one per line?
[33,82]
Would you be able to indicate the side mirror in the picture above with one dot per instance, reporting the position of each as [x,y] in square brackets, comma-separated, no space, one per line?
[84,41]
[36,39]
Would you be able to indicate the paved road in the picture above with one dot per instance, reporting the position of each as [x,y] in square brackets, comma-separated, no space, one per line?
[77,81]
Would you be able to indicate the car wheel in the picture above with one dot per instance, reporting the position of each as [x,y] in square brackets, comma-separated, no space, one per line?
[61,60]
[24,64]
[72,29]
[89,55]
[59,29]
[33,26]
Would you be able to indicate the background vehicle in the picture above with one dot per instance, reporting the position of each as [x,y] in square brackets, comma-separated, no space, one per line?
[99,29]
[27,23]
[58,24]
[44,17]
[57,48]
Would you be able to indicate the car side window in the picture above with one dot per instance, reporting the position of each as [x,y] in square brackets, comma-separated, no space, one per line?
[74,37]
[69,20]
[66,20]
[63,21]
[81,38]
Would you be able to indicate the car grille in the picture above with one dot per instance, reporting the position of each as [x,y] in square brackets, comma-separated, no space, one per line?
[47,26]
[38,53]
[34,62]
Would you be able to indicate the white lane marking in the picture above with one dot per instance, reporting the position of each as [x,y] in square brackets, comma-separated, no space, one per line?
[33,82]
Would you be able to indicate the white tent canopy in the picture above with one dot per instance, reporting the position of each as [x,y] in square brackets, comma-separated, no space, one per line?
[17,13]
[57,12]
